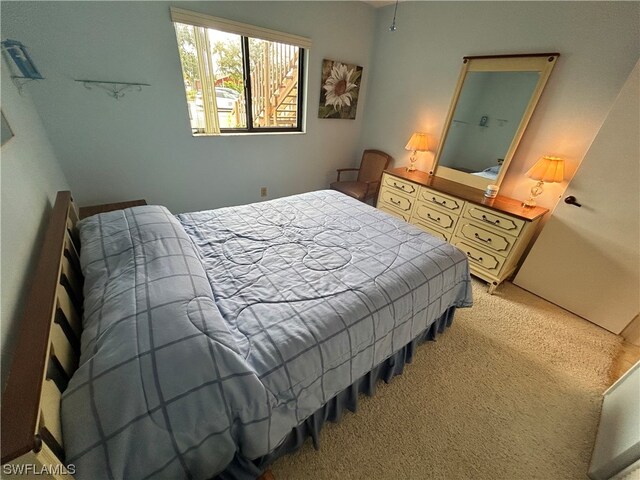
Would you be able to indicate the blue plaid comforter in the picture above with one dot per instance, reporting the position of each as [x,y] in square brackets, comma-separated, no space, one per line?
[215,333]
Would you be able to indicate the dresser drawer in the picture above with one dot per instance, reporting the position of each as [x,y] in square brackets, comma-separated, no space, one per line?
[474,232]
[430,229]
[510,225]
[425,213]
[487,261]
[392,198]
[394,183]
[442,200]
[395,213]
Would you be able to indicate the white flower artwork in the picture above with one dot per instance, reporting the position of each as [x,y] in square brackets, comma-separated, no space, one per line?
[340,89]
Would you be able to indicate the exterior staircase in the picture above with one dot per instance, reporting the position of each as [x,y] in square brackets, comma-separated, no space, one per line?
[275,87]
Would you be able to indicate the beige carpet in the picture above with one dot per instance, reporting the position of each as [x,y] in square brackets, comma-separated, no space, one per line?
[511,391]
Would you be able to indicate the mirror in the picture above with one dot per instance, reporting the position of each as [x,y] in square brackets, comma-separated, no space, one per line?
[493,102]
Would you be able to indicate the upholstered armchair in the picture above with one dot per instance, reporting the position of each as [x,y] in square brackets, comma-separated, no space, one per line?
[367,183]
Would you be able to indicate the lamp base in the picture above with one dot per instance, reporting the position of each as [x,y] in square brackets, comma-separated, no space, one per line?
[412,164]
[535,191]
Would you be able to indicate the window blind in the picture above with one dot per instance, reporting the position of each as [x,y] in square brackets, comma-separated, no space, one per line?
[207,77]
[188,17]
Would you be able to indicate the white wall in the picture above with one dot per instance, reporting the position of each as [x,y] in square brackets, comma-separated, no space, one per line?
[140,146]
[415,70]
[30,177]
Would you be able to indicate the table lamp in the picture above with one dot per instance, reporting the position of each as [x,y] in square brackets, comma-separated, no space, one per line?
[546,170]
[417,143]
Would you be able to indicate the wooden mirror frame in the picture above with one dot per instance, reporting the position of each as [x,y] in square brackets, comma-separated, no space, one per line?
[538,62]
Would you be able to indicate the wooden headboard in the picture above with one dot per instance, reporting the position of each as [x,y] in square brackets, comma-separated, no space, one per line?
[47,350]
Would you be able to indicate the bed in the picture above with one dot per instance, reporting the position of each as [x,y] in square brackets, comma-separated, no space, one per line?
[213,342]
[490,173]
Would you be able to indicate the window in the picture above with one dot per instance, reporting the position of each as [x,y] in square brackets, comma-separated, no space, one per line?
[239,78]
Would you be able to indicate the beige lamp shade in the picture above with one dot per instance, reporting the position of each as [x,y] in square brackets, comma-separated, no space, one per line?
[547,169]
[418,142]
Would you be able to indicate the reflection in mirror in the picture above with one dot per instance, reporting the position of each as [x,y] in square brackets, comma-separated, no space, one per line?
[491,107]
[485,120]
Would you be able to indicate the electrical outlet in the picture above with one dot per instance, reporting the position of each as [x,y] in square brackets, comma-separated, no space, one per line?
[263,191]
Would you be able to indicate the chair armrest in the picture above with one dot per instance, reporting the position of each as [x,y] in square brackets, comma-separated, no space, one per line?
[340,170]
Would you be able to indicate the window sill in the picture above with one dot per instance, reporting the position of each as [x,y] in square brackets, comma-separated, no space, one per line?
[243,134]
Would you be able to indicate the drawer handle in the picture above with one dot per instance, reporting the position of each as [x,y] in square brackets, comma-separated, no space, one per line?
[486,240]
[495,222]
[443,203]
[435,219]
[404,187]
[479,259]
[398,203]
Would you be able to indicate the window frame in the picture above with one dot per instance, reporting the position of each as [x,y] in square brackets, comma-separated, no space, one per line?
[246,31]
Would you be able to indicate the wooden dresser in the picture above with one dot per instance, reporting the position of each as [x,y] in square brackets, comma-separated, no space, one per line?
[493,232]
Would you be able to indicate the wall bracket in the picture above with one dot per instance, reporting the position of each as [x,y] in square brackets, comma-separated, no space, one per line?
[114,89]
[20,82]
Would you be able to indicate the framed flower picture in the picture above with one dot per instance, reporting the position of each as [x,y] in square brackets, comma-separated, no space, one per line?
[340,90]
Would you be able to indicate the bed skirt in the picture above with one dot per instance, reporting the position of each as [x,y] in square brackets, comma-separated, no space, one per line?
[245,469]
